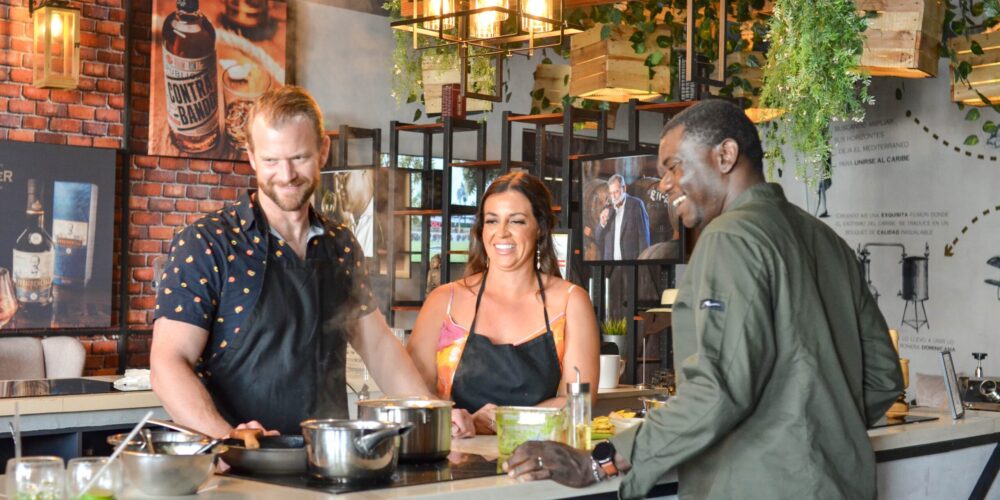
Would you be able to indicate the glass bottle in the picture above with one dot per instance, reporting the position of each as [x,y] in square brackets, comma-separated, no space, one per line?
[578,413]
[191,81]
[32,265]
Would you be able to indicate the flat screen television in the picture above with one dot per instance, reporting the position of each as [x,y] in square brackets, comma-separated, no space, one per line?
[626,219]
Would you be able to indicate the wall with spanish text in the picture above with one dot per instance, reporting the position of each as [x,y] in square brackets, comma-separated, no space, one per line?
[905,181]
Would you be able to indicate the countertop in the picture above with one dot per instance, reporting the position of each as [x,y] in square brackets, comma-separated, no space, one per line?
[975,424]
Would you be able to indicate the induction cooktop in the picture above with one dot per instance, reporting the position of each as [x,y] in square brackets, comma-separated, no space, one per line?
[52,387]
[457,466]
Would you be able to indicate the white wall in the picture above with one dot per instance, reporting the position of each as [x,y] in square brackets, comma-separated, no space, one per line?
[894,182]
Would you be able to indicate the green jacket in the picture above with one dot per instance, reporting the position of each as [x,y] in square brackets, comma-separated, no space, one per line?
[787,361]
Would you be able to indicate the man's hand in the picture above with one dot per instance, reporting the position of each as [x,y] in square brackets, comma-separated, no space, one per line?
[536,460]
[486,419]
[462,424]
[604,217]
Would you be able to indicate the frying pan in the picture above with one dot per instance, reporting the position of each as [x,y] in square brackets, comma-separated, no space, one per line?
[276,455]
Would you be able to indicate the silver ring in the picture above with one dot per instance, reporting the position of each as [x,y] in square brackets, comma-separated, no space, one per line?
[541,464]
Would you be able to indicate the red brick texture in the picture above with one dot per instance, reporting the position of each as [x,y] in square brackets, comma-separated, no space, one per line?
[165,193]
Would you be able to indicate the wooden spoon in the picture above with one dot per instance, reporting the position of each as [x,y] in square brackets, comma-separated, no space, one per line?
[249,437]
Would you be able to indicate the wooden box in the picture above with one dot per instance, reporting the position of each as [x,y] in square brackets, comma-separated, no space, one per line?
[553,81]
[610,70]
[434,77]
[985,75]
[903,38]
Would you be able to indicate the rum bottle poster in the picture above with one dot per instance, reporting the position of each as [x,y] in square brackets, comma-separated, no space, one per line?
[210,60]
[57,239]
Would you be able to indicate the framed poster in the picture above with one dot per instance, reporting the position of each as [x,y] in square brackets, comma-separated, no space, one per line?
[626,219]
[210,61]
[57,241]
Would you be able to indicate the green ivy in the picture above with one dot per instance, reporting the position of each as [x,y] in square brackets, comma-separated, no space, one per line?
[812,73]
[963,18]
[407,71]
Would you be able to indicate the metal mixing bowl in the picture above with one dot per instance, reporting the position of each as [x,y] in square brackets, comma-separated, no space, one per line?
[167,442]
[169,475]
[174,469]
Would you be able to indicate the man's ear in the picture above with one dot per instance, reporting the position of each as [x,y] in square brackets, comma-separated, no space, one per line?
[727,152]
[324,150]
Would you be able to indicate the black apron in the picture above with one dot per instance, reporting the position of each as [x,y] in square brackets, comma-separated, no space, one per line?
[287,362]
[506,375]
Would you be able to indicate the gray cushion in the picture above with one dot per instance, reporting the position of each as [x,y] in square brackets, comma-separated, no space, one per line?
[21,358]
[64,357]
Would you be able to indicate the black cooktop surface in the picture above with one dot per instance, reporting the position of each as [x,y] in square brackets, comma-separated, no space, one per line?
[53,387]
[457,466]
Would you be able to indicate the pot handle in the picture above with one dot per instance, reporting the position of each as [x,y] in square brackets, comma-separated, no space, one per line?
[366,444]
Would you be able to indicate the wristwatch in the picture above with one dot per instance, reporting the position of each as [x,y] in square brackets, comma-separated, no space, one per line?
[604,456]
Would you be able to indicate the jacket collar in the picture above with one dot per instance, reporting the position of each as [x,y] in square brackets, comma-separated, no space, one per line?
[764,191]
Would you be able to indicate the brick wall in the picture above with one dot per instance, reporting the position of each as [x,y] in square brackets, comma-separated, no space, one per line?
[166,193]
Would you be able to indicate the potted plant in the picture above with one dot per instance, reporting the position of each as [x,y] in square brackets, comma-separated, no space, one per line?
[615,330]
[812,73]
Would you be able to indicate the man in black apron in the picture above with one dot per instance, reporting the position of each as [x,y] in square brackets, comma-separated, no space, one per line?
[257,301]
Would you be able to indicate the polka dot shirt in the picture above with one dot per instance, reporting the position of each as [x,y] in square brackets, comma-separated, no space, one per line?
[216,266]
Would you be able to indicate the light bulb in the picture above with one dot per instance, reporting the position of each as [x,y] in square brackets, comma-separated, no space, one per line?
[57,25]
[487,24]
[538,8]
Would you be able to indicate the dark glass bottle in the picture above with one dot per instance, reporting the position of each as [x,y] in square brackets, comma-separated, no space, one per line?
[32,266]
[190,78]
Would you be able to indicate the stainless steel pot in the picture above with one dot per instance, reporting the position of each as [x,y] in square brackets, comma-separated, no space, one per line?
[430,438]
[352,450]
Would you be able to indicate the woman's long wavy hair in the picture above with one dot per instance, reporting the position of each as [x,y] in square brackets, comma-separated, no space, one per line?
[541,207]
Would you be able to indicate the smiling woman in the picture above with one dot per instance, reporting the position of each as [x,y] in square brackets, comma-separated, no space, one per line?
[527,328]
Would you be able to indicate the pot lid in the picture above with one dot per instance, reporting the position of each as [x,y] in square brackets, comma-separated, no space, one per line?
[415,402]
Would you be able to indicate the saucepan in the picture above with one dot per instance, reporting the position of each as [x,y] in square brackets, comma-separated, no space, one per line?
[352,450]
[430,438]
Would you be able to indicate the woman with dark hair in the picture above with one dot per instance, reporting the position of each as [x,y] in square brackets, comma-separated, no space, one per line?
[511,331]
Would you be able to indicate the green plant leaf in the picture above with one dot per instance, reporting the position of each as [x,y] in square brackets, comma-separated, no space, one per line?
[535,110]
[972,115]
[663,41]
[654,58]
[989,127]
[537,94]
[985,100]
[899,94]
[546,61]
[971,140]
[546,102]
[964,68]
[977,9]
[615,17]
[976,48]
[639,48]
[417,114]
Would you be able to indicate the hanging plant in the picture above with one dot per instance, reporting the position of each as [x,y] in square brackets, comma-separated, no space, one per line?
[407,64]
[812,73]
[963,19]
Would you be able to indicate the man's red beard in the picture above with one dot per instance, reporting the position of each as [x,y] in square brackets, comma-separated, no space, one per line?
[290,201]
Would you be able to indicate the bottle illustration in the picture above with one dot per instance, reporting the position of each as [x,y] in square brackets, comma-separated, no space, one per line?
[32,266]
[191,78]
[74,221]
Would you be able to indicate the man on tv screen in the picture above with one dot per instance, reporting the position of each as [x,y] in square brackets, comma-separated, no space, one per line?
[622,232]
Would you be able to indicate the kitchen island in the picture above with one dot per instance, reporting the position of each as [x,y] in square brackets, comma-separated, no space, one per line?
[941,458]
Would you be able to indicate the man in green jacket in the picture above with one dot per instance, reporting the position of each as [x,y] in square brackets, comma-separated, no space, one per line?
[786,358]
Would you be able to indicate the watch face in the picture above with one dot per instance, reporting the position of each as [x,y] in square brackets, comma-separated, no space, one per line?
[603,451]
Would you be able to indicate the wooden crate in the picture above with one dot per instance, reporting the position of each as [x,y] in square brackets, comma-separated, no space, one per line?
[985,75]
[610,70]
[903,38]
[755,75]
[554,80]
[434,77]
